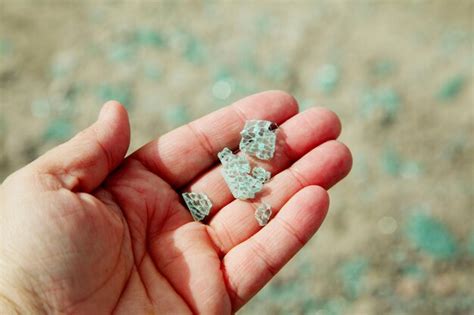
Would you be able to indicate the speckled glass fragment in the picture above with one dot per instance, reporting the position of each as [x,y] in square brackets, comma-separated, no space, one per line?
[198,204]
[263,213]
[236,171]
[258,139]
[261,174]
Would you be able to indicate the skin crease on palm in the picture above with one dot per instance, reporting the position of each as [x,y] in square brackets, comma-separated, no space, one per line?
[86,230]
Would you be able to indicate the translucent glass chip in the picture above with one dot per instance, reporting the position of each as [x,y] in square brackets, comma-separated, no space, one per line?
[261,174]
[258,139]
[263,214]
[236,171]
[198,204]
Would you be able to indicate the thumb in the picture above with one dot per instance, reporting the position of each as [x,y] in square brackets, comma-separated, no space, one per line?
[82,163]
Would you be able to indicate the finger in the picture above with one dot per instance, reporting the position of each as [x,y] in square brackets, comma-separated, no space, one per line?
[250,265]
[187,258]
[183,153]
[83,162]
[323,166]
[296,137]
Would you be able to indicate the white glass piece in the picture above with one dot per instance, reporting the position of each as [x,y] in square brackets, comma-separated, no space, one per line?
[258,139]
[263,213]
[198,204]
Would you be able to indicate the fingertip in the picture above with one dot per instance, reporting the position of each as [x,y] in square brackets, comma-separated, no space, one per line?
[287,100]
[113,131]
[346,157]
[332,123]
[341,160]
[314,198]
[112,109]
[306,210]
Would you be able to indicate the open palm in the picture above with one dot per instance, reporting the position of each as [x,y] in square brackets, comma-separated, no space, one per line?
[87,231]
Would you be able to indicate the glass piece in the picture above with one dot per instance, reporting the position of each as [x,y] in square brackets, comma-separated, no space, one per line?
[327,78]
[198,204]
[236,172]
[258,139]
[263,214]
[261,174]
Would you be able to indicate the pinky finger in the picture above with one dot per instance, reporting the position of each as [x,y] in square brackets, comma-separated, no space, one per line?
[251,264]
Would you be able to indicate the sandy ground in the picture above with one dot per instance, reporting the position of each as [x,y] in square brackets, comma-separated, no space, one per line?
[399,238]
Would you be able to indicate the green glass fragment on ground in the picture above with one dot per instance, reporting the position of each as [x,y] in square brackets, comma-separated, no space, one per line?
[336,306]
[327,78]
[122,52]
[352,273]
[394,165]
[198,204]
[383,68]
[451,88]
[58,130]
[287,293]
[413,271]
[390,100]
[122,94]
[194,51]
[411,169]
[177,115]
[152,72]
[40,108]
[391,162]
[386,100]
[149,37]
[431,236]
[470,244]
[5,47]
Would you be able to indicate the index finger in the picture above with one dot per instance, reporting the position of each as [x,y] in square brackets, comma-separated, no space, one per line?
[185,152]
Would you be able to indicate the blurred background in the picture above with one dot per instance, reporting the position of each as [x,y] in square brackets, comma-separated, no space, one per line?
[399,237]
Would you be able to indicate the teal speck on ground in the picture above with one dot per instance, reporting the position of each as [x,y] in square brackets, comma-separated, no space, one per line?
[383,68]
[149,37]
[5,47]
[327,78]
[451,88]
[391,162]
[394,165]
[122,94]
[58,130]
[386,99]
[194,51]
[122,52]
[352,273]
[152,72]
[413,271]
[431,236]
[470,244]
[177,115]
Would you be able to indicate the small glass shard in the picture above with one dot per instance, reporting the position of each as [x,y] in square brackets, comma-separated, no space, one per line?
[261,174]
[236,172]
[263,214]
[258,139]
[198,204]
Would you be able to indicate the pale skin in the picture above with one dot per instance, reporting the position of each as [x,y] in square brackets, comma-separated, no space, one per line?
[87,230]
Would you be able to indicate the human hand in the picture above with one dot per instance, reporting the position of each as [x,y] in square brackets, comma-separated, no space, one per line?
[85,230]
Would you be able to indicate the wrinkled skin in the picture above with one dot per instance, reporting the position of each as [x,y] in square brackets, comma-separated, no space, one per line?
[86,230]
